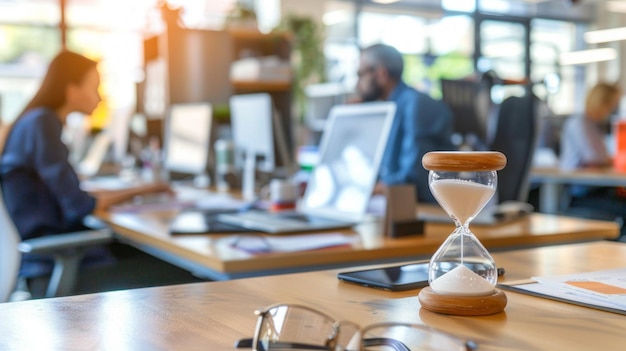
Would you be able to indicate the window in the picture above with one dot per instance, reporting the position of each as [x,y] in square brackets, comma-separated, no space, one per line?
[548,39]
[29,38]
[434,47]
[110,31]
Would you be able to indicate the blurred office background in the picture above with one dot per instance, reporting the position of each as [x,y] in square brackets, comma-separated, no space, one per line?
[543,42]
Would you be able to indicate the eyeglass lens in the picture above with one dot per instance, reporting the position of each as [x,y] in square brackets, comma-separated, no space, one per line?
[299,328]
[389,337]
[295,328]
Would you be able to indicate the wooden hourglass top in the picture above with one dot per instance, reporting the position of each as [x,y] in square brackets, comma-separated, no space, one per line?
[468,161]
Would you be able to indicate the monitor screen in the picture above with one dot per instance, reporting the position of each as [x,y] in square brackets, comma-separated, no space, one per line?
[251,121]
[187,138]
[119,131]
[320,99]
[351,150]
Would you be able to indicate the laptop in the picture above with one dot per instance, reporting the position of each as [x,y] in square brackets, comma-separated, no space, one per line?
[341,184]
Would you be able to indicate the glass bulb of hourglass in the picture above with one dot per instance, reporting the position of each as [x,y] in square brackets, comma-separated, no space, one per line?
[462,265]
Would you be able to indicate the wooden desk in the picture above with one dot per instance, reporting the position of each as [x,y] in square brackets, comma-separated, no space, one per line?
[551,181]
[207,255]
[211,316]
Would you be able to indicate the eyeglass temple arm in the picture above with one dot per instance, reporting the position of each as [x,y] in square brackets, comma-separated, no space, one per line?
[247,343]
[400,346]
[395,344]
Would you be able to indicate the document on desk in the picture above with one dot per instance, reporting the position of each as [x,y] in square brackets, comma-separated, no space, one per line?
[259,244]
[604,290]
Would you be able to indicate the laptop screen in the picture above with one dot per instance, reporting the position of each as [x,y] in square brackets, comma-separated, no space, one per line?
[351,150]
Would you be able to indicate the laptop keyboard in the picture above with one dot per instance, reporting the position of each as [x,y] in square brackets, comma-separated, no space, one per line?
[295,216]
[282,217]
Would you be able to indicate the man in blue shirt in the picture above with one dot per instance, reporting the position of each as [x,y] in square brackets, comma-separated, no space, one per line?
[421,124]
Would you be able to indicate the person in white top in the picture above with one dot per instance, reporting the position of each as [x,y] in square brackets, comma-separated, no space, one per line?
[582,138]
[583,146]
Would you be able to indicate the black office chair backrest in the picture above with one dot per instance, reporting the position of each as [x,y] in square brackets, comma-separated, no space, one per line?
[515,137]
[461,96]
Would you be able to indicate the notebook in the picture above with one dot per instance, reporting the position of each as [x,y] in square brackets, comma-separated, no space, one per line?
[340,186]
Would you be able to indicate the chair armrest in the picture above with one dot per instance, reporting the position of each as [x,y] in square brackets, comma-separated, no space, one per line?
[53,243]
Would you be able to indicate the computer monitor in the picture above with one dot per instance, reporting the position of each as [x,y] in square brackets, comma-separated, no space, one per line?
[255,129]
[187,138]
[119,132]
[351,150]
[110,146]
[321,98]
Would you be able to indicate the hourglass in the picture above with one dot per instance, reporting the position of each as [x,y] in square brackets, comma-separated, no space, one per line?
[462,275]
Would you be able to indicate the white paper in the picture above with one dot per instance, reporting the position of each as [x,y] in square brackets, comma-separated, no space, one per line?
[601,288]
[265,244]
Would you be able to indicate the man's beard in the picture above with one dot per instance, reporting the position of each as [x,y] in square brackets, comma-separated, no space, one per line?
[373,93]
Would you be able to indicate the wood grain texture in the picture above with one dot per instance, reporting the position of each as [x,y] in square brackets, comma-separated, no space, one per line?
[455,161]
[211,316]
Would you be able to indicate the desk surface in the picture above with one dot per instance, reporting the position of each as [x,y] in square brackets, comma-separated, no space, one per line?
[211,316]
[552,179]
[591,176]
[209,255]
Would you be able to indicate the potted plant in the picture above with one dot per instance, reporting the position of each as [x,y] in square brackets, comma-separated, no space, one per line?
[307,56]
[241,16]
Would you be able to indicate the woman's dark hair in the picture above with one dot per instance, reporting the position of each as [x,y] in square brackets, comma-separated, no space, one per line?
[66,68]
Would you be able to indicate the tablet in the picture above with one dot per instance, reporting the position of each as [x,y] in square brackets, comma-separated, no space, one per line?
[393,278]
[396,278]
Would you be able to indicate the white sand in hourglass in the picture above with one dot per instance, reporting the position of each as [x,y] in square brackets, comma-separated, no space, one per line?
[460,198]
[461,281]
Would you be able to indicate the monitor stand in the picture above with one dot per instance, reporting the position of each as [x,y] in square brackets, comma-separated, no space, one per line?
[249,177]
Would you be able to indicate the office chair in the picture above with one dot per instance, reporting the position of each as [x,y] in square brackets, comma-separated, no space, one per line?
[462,96]
[66,249]
[9,255]
[515,137]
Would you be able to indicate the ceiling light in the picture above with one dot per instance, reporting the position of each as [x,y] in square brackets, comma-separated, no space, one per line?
[587,56]
[605,35]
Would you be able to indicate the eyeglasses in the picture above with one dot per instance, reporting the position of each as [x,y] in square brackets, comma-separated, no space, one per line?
[298,327]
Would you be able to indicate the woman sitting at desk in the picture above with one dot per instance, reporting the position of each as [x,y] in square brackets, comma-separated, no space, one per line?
[583,146]
[41,189]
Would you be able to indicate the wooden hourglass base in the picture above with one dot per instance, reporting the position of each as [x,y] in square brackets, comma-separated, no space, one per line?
[463,305]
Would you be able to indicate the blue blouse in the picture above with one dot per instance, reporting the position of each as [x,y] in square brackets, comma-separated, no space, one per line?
[421,124]
[41,189]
